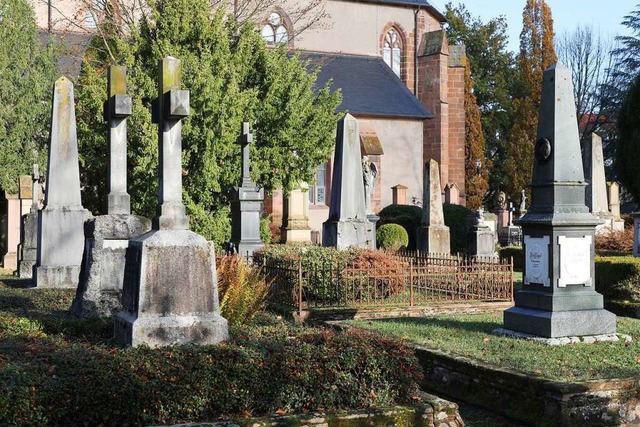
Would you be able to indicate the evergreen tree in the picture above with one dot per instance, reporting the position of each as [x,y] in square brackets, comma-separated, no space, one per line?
[476,165]
[233,77]
[628,153]
[537,53]
[492,75]
[27,73]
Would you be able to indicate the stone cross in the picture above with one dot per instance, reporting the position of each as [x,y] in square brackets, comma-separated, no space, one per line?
[116,110]
[35,177]
[245,140]
[171,107]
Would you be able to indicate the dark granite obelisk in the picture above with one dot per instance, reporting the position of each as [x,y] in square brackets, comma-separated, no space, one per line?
[558,298]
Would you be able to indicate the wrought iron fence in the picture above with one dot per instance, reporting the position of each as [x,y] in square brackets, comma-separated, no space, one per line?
[417,279]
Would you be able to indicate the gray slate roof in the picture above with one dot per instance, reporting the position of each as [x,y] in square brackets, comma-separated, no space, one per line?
[369,87]
[424,4]
[72,46]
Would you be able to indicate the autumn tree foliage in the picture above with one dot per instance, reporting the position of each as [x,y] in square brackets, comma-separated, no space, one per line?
[537,53]
[476,166]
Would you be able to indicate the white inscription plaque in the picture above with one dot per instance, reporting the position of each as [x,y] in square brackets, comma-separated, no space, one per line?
[536,260]
[575,261]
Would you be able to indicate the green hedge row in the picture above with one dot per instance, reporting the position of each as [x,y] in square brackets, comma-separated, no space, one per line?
[48,380]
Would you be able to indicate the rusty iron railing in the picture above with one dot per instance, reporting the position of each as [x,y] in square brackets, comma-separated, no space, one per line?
[417,279]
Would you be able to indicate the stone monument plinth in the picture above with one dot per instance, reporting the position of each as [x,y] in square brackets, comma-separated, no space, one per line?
[170,293]
[433,235]
[480,237]
[99,292]
[348,225]
[61,220]
[558,298]
[295,221]
[246,206]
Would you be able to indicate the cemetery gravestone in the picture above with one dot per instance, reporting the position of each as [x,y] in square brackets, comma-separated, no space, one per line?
[247,204]
[613,195]
[433,235]
[170,293]
[348,225]
[480,237]
[295,221]
[29,241]
[61,220]
[558,298]
[596,189]
[99,292]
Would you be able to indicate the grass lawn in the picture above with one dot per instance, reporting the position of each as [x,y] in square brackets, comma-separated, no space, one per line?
[470,335]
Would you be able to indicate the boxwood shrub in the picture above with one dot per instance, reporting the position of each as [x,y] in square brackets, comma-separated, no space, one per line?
[392,236]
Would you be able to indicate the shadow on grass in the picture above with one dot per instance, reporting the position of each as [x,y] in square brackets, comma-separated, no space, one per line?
[17,283]
[471,326]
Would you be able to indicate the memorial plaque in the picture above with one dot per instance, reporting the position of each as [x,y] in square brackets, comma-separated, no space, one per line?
[537,260]
[575,258]
[25,187]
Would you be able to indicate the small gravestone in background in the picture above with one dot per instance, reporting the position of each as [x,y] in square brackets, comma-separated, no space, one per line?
[295,218]
[99,292]
[596,189]
[613,195]
[348,225]
[433,235]
[558,298]
[246,206]
[29,238]
[480,237]
[61,220]
[170,293]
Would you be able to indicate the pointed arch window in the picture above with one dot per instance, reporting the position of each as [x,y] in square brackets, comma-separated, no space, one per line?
[392,51]
[275,30]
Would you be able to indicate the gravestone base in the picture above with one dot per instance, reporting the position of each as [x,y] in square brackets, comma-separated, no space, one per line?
[62,235]
[10,261]
[433,239]
[29,246]
[560,323]
[159,331]
[246,209]
[481,242]
[99,292]
[298,235]
[618,224]
[344,234]
[373,219]
[170,293]
[247,247]
[57,276]
[510,236]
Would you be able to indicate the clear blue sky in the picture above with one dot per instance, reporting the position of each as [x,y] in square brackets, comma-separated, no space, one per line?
[567,14]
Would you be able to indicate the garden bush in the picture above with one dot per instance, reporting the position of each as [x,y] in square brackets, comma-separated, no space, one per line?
[618,277]
[455,217]
[408,216]
[514,252]
[267,366]
[615,242]
[242,290]
[392,236]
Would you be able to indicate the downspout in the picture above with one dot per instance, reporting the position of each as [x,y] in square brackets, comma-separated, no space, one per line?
[49,16]
[415,51]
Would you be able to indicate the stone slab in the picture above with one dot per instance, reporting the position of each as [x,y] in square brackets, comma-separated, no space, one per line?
[433,239]
[60,276]
[560,323]
[586,299]
[348,233]
[170,293]
[99,292]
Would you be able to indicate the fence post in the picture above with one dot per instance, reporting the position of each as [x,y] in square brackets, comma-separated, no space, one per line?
[411,282]
[300,288]
[511,268]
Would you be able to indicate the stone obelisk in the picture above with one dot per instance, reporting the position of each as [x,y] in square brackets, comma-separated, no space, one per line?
[170,293]
[348,225]
[61,220]
[433,235]
[99,292]
[247,204]
[558,298]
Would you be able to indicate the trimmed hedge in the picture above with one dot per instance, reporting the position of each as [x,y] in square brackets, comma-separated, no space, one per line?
[392,236]
[618,278]
[410,217]
[514,252]
[60,380]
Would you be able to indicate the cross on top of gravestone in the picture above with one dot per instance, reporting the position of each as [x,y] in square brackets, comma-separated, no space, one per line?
[117,108]
[171,107]
[245,140]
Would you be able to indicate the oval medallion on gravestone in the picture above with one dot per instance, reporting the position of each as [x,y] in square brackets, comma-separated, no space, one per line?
[543,149]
